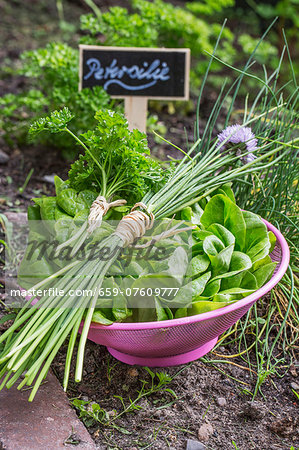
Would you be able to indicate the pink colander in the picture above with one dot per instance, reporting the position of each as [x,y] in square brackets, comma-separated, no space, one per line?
[178,341]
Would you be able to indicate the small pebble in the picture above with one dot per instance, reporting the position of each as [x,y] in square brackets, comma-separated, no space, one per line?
[84,398]
[159,414]
[285,426]
[133,372]
[49,178]
[195,445]
[221,401]
[253,410]
[295,386]
[3,157]
[89,406]
[293,371]
[204,432]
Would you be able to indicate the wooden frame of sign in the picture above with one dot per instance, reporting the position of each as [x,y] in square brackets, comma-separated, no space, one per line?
[136,74]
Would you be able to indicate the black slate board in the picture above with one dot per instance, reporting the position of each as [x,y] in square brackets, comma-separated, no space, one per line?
[125,71]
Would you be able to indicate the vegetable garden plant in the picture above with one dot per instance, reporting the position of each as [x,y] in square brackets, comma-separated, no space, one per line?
[230,247]
[52,72]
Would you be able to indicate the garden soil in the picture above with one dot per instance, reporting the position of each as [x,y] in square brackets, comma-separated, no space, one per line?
[213,404]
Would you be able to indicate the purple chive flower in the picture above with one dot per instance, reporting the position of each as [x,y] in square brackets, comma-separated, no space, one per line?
[235,134]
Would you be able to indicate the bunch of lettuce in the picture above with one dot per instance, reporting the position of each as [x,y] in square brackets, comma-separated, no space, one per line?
[230,256]
[230,260]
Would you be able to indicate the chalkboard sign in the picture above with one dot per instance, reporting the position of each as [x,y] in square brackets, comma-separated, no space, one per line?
[161,74]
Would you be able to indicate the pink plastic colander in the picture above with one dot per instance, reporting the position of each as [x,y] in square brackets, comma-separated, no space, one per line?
[178,341]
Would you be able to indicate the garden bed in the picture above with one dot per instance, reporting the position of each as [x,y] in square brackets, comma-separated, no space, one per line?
[211,402]
[207,393]
[211,399]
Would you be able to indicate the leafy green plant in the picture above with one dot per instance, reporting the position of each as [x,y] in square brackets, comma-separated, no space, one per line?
[159,24]
[115,160]
[91,412]
[209,7]
[53,72]
[232,247]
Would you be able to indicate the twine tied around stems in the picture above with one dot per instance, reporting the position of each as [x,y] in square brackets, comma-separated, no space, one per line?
[98,209]
[169,232]
[135,224]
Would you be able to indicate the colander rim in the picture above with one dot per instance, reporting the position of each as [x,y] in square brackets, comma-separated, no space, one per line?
[252,298]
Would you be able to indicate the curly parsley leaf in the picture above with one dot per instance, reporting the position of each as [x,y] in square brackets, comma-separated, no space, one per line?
[55,123]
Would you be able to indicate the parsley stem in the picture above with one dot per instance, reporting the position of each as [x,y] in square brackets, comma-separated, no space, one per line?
[104,177]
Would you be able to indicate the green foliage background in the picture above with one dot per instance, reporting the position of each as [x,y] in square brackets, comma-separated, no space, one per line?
[52,72]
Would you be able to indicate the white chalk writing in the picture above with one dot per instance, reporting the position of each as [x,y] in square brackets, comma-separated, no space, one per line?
[149,74]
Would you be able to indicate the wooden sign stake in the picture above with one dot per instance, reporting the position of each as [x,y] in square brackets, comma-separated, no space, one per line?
[136,112]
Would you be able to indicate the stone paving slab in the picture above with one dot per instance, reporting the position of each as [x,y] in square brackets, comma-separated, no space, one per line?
[45,424]
[18,218]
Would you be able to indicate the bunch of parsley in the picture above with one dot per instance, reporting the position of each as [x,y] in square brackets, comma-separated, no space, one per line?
[116,161]
[123,154]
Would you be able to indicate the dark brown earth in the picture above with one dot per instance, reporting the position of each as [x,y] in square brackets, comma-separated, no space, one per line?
[207,394]
[213,401]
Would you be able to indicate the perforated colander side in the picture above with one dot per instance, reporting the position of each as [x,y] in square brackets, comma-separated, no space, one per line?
[159,342]
[178,336]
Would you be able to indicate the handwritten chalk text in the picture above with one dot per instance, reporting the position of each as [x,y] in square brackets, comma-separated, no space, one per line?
[149,74]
